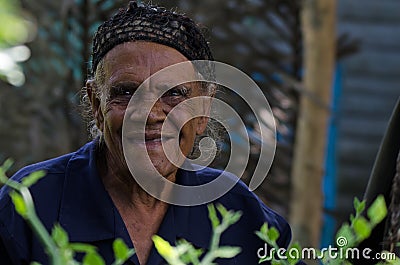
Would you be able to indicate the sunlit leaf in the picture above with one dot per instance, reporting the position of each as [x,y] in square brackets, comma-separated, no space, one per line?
[227,252]
[362,228]
[33,178]
[121,251]
[93,258]
[359,206]
[60,236]
[19,203]
[212,215]
[294,253]
[263,233]
[82,247]
[273,234]
[345,237]
[163,247]
[378,210]
[7,164]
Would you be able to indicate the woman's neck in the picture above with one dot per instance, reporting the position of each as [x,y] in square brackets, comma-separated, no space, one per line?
[122,186]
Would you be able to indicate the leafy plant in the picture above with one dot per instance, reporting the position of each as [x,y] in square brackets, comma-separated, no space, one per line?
[348,237]
[360,228]
[61,251]
[56,245]
[270,236]
[185,253]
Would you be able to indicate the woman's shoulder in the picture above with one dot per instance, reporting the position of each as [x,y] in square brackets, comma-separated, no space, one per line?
[49,187]
[53,166]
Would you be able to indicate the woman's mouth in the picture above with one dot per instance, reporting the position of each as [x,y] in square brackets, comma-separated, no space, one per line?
[150,137]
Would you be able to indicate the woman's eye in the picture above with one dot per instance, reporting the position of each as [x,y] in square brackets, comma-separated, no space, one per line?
[125,92]
[179,91]
[175,95]
[121,91]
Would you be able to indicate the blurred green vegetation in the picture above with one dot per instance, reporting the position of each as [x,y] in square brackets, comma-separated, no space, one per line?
[15,30]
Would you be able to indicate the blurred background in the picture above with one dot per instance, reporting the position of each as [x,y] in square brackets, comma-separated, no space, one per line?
[45,54]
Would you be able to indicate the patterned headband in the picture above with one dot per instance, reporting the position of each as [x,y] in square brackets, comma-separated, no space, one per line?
[154,24]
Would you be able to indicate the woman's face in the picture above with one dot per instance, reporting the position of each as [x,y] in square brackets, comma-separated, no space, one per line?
[126,66]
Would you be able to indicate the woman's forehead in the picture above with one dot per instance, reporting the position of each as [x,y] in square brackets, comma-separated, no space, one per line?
[142,59]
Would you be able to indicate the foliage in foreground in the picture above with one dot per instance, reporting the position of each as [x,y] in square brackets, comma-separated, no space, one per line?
[184,252]
[61,251]
[348,237]
[56,244]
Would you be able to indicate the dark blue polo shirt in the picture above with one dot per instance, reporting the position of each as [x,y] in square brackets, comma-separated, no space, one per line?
[73,195]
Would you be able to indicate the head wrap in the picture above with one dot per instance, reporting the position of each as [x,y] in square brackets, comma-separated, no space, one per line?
[154,24]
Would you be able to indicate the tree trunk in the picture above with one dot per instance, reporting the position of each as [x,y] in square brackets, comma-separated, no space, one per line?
[318,23]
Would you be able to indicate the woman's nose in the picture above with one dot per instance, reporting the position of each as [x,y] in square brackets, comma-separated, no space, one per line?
[149,110]
[157,113]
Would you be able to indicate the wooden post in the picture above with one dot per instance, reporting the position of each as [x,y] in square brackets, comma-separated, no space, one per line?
[318,24]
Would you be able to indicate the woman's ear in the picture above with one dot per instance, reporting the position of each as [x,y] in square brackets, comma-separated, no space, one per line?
[91,88]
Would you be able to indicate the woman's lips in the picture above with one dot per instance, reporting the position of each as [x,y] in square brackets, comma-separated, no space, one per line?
[140,138]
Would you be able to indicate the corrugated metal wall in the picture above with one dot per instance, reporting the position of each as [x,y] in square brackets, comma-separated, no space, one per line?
[370,88]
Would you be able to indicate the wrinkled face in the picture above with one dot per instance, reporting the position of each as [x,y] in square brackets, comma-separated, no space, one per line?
[126,66]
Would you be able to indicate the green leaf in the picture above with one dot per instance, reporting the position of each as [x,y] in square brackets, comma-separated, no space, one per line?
[60,236]
[262,236]
[264,228]
[227,252]
[7,164]
[33,178]
[345,237]
[3,177]
[359,206]
[273,234]
[212,214]
[268,235]
[190,254]
[294,249]
[66,255]
[222,210]
[263,233]
[377,211]
[93,258]
[121,250]
[35,263]
[356,202]
[194,252]
[19,204]
[82,247]
[235,217]
[362,228]
[163,247]
[352,217]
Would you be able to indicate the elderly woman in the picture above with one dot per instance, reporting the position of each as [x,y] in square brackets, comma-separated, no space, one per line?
[91,193]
